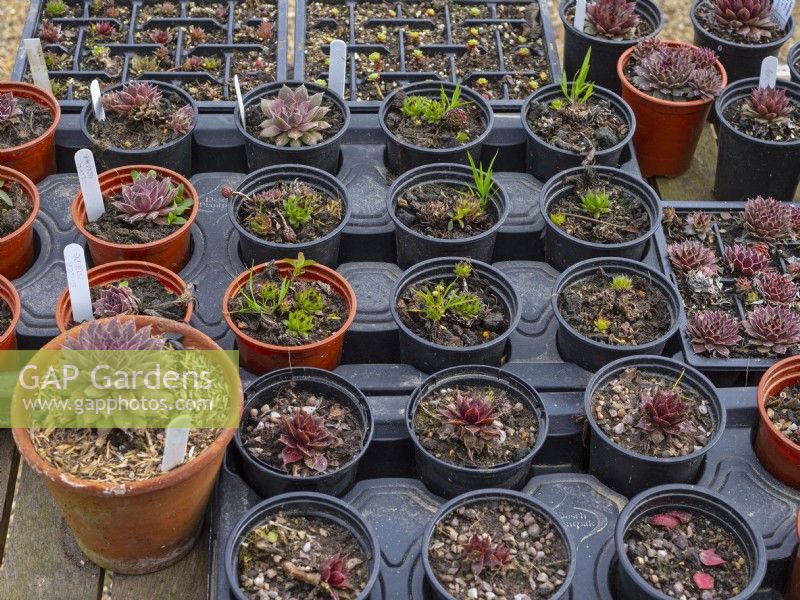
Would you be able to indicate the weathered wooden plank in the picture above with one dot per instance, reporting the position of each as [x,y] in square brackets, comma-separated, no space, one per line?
[697,182]
[41,558]
[185,580]
[9,465]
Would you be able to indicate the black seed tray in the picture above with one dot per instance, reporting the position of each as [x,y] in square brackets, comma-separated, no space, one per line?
[723,371]
[230,39]
[399,507]
[442,40]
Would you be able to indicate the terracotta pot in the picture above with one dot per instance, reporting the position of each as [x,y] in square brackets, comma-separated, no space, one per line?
[779,456]
[171,252]
[117,271]
[137,526]
[8,338]
[16,249]
[259,357]
[666,132]
[793,589]
[35,159]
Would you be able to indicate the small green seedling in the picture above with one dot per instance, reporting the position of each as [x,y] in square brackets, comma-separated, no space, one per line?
[596,203]
[621,282]
[601,324]
[580,90]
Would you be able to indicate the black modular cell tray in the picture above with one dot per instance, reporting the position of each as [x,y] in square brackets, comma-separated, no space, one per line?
[221,44]
[499,22]
[723,371]
[399,507]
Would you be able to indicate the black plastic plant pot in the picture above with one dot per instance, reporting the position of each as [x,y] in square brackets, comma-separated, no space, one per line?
[629,472]
[311,505]
[430,357]
[447,479]
[439,592]
[175,155]
[694,500]
[605,52]
[544,160]
[402,156]
[260,153]
[256,250]
[269,481]
[740,60]
[794,56]
[563,250]
[413,246]
[591,354]
[747,166]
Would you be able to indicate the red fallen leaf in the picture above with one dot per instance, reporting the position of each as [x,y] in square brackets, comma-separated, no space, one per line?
[667,520]
[703,581]
[710,558]
[683,517]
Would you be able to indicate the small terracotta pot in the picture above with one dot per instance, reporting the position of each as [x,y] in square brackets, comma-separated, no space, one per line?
[16,249]
[793,590]
[666,132]
[779,456]
[259,357]
[118,271]
[35,159]
[8,338]
[171,252]
[138,526]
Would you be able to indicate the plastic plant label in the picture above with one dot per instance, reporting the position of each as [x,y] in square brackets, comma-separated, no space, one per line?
[97,101]
[90,185]
[580,15]
[33,50]
[175,443]
[240,100]
[781,11]
[78,283]
[336,70]
[769,72]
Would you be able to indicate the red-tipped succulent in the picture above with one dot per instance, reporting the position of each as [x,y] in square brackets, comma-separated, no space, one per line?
[744,260]
[472,417]
[305,438]
[614,19]
[113,334]
[664,410]
[182,120]
[148,198]
[483,554]
[752,19]
[138,101]
[713,331]
[675,73]
[103,29]
[776,288]
[691,255]
[772,329]
[50,33]
[116,300]
[767,218]
[698,223]
[768,105]
[334,574]
[160,36]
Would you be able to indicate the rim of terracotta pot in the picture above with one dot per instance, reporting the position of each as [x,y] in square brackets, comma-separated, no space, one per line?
[145,486]
[43,98]
[627,85]
[79,212]
[32,192]
[240,281]
[139,268]
[9,293]
[777,378]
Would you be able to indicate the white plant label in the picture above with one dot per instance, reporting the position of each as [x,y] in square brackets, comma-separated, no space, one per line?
[78,283]
[176,442]
[240,100]
[33,50]
[769,72]
[781,11]
[97,101]
[336,70]
[90,185]
[580,15]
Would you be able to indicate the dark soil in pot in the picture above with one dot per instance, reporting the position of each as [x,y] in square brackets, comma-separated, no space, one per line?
[475,425]
[618,310]
[685,554]
[495,546]
[27,121]
[307,311]
[15,207]
[5,316]
[784,411]
[469,312]
[704,12]
[651,415]
[275,434]
[300,556]
[290,212]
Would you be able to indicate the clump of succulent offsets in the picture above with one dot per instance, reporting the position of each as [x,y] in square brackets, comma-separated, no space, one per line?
[676,73]
[750,19]
[444,110]
[293,118]
[713,332]
[153,198]
[612,19]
